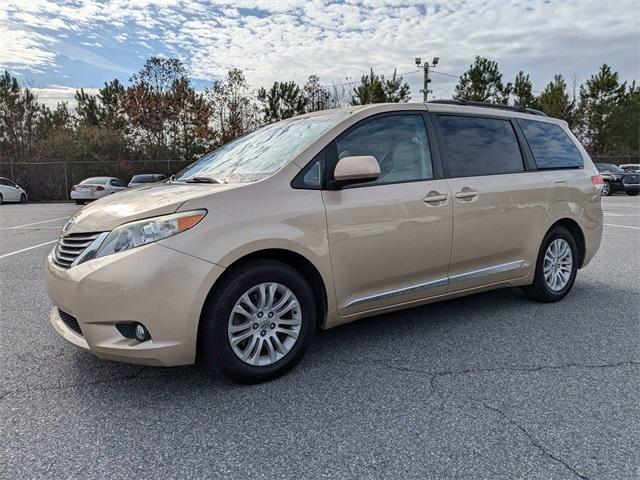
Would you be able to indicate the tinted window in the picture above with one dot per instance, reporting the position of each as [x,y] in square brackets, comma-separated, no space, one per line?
[550,145]
[311,176]
[5,182]
[479,146]
[398,142]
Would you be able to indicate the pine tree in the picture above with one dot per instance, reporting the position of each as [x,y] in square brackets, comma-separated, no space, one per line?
[523,91]
[555,102]
[482,82]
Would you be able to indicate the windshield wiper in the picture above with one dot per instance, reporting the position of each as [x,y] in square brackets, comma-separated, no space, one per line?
[203,180]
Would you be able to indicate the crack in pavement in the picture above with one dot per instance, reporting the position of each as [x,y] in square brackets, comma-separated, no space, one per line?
[533,442]
[438,374]
[433,376]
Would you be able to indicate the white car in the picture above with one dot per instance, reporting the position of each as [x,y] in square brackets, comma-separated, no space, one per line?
[11,192]
[96,187]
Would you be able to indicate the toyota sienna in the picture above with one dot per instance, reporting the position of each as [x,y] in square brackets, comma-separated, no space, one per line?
[322,219]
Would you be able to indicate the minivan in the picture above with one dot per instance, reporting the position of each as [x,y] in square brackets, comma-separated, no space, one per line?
[322,219]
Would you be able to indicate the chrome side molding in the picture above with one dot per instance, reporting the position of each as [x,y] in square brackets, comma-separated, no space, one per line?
[396,293]
[504,267]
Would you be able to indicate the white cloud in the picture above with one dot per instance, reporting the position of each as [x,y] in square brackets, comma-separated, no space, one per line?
[290,39]
[54,94]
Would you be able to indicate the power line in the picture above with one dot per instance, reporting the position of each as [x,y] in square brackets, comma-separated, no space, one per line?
[445,74]
[353,82]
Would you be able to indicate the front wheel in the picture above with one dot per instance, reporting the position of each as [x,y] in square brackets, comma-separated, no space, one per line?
[632,194]
[556,267]
[23,198]
[257,322]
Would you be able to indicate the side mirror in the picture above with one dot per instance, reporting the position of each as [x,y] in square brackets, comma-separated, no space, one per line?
[356,169]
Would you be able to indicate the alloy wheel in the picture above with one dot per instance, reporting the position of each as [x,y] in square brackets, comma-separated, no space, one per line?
[264,324]
[558,264]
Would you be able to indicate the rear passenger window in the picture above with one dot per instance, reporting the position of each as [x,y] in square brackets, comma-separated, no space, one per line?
[550,145]
[479,146]
[399,144]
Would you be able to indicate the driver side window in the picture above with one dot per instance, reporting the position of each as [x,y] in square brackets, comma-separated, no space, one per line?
[398,142]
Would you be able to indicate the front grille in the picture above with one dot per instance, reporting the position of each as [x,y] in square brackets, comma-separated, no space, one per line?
[71,321]
[71,246]
[631,179]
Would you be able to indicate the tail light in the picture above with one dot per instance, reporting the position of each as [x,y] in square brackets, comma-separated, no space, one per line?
[597,181]
[99,188]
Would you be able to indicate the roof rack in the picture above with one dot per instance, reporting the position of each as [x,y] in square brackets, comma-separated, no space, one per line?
[498,106]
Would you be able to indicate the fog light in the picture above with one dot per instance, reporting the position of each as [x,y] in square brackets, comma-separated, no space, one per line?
[141,333]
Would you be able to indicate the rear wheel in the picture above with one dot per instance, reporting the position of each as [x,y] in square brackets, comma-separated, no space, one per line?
[606,189]
[79,202]
[1,199]
[556,267]
[258,322]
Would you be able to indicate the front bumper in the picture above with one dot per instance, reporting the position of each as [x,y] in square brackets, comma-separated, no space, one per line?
[154,285]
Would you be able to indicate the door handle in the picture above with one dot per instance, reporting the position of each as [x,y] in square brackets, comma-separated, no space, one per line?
[466,194]
[435,197]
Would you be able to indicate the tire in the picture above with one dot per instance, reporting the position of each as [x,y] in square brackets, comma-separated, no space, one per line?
[214,339]
[540,290]
[23,199]
[606,189]
[79,202]
[1,199]
[632,194]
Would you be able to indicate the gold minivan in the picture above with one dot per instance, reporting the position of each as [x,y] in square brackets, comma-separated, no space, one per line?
[322,219]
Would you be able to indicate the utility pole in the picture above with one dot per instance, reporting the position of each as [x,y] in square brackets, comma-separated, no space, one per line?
[425,90]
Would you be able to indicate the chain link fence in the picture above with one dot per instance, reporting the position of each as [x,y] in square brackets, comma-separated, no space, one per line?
[47,181]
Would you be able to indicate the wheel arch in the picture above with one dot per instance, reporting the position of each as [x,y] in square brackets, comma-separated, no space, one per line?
[577,233]
[293,259]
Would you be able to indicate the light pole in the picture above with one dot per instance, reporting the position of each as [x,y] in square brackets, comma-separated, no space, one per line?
[425,90]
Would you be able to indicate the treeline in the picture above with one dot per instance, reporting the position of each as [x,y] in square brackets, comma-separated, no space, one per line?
[603,112]
[160,122]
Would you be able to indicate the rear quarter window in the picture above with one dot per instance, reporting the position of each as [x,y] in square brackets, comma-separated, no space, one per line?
[551,146]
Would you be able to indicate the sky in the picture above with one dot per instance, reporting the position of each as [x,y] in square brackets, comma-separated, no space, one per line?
[58,46]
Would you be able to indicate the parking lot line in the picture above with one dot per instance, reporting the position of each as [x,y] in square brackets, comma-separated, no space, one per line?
[34,223]
[623,205]
[613,225]
[10,254]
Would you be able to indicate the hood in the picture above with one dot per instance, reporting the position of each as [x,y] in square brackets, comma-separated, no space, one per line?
[126,206]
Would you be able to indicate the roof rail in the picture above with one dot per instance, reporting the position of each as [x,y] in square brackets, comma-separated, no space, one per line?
[469,103]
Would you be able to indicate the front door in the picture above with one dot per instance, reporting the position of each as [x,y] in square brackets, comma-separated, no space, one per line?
[498,206]
[390,239]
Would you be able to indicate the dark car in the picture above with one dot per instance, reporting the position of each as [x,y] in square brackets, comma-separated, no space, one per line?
[146,178]
[617,180]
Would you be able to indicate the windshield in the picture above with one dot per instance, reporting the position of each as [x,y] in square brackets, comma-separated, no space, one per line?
[95,180]
[263,152]
[609,167]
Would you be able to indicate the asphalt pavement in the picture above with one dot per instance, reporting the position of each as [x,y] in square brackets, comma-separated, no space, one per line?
[488,386]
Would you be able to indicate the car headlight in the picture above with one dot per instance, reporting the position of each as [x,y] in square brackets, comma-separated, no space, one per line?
[142,232]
